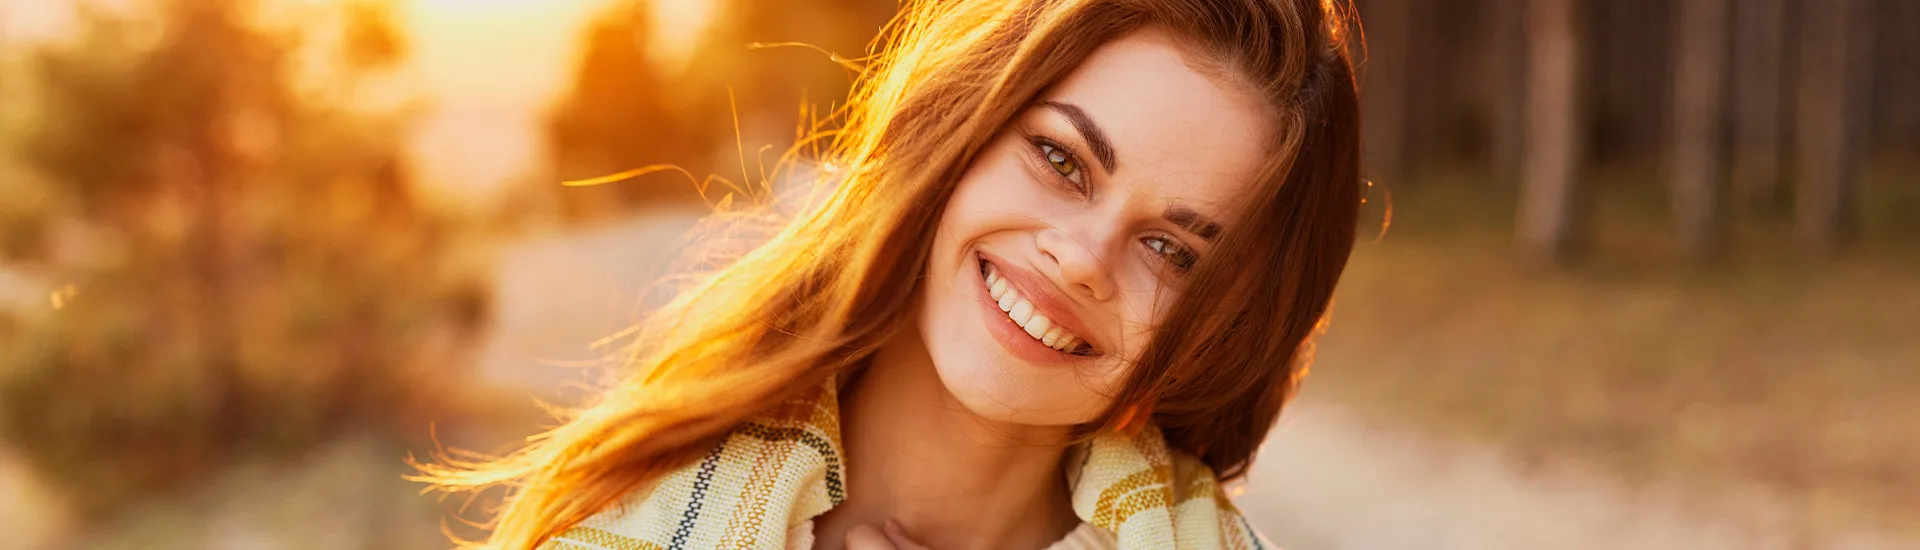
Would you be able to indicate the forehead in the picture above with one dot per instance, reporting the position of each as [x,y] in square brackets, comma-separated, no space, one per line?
[1182,134]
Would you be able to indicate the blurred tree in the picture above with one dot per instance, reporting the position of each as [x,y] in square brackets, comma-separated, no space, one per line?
[1699,125]
[1835,58]
[621,113]
[266,277]
[1896,81]
[1383,82]
[748,90]
[1475,80]
[1551,205]
[1627,52]
[790,76]
[1759,108]
[1507,54]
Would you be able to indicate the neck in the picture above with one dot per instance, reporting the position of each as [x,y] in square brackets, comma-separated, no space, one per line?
[951,479]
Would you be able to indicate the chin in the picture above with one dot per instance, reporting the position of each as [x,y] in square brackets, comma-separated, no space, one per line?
[1004,391]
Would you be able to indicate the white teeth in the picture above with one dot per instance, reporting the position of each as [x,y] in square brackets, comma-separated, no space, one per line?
[1066,342]
[1037,327]
[1022,313]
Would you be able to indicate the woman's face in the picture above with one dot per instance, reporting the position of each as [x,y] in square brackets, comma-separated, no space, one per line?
[1072,232]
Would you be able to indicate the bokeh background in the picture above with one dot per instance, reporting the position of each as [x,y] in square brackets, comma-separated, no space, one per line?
[1635,273]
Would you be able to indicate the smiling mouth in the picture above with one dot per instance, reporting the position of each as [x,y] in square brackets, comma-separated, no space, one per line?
[1022,313]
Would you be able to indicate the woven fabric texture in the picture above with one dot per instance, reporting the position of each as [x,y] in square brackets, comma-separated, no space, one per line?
[783,468]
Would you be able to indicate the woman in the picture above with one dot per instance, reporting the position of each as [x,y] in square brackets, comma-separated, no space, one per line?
[1062,286]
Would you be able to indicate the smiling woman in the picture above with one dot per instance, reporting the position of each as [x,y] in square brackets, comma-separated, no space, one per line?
[1057,296]
[1085,246]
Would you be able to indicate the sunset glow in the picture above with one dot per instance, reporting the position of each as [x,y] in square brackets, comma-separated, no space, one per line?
[487,69]
[492,66]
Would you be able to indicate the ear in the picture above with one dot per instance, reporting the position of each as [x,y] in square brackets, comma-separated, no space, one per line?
[1134,418]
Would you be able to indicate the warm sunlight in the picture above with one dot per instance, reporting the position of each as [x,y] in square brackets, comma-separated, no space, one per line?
[486,68]
[490,67]
[678,23]
[291,274]
[493,65]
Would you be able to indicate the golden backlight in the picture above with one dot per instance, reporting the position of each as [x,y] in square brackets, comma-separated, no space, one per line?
[486,68]
[492,67]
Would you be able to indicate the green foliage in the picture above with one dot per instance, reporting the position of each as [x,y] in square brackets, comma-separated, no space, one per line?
[265,278]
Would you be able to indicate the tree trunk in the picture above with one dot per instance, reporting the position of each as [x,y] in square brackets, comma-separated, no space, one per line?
[1550,212]
[1833,63]
[1699,104]
[1506,113]
[1896,81]
[1383,83]
[1759,64]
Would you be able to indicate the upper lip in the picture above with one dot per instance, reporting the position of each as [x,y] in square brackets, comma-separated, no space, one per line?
[1045,297]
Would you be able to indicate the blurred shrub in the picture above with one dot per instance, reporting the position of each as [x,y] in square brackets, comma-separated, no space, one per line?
[147,377]
[263,277]
[730,109]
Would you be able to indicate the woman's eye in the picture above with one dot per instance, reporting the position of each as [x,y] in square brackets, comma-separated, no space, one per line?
[1172,252]
[1062,162]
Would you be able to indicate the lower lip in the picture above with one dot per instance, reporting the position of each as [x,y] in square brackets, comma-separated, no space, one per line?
[1010,335]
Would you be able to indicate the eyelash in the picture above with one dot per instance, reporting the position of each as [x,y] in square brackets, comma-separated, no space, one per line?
[1171,252]
[1170,249]
[1043,148]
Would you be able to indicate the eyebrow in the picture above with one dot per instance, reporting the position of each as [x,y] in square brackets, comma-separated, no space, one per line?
[1193,222]
[1096,139]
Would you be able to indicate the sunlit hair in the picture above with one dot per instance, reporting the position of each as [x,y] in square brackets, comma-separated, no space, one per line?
[839,280]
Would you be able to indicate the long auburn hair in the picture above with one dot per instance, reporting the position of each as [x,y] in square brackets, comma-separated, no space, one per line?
[836,281]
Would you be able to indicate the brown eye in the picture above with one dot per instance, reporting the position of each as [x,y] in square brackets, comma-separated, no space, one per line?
[1172,252]
[1062,162]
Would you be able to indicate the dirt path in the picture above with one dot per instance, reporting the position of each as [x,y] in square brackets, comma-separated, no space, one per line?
[1328,481]
[554,295]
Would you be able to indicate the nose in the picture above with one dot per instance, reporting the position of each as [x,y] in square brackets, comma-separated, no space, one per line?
[1076,266]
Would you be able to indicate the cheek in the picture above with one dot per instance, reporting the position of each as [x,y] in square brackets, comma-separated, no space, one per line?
[992,198]
[985,190]
[1138,320]
[977,199]
[986,205]
[1000,182]
[1138,323]
[1143,302]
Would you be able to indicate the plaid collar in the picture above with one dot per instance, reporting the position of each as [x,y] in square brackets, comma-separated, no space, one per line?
[785,467]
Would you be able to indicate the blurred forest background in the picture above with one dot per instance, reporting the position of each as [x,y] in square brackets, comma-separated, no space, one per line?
[1636,274]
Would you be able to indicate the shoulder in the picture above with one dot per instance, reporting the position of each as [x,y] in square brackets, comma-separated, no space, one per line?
[1151,496]
[768,475]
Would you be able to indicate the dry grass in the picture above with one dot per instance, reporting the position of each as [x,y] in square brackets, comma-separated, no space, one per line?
[1799,379]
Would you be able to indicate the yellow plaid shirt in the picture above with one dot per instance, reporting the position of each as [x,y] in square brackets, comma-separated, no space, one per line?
[784,467]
